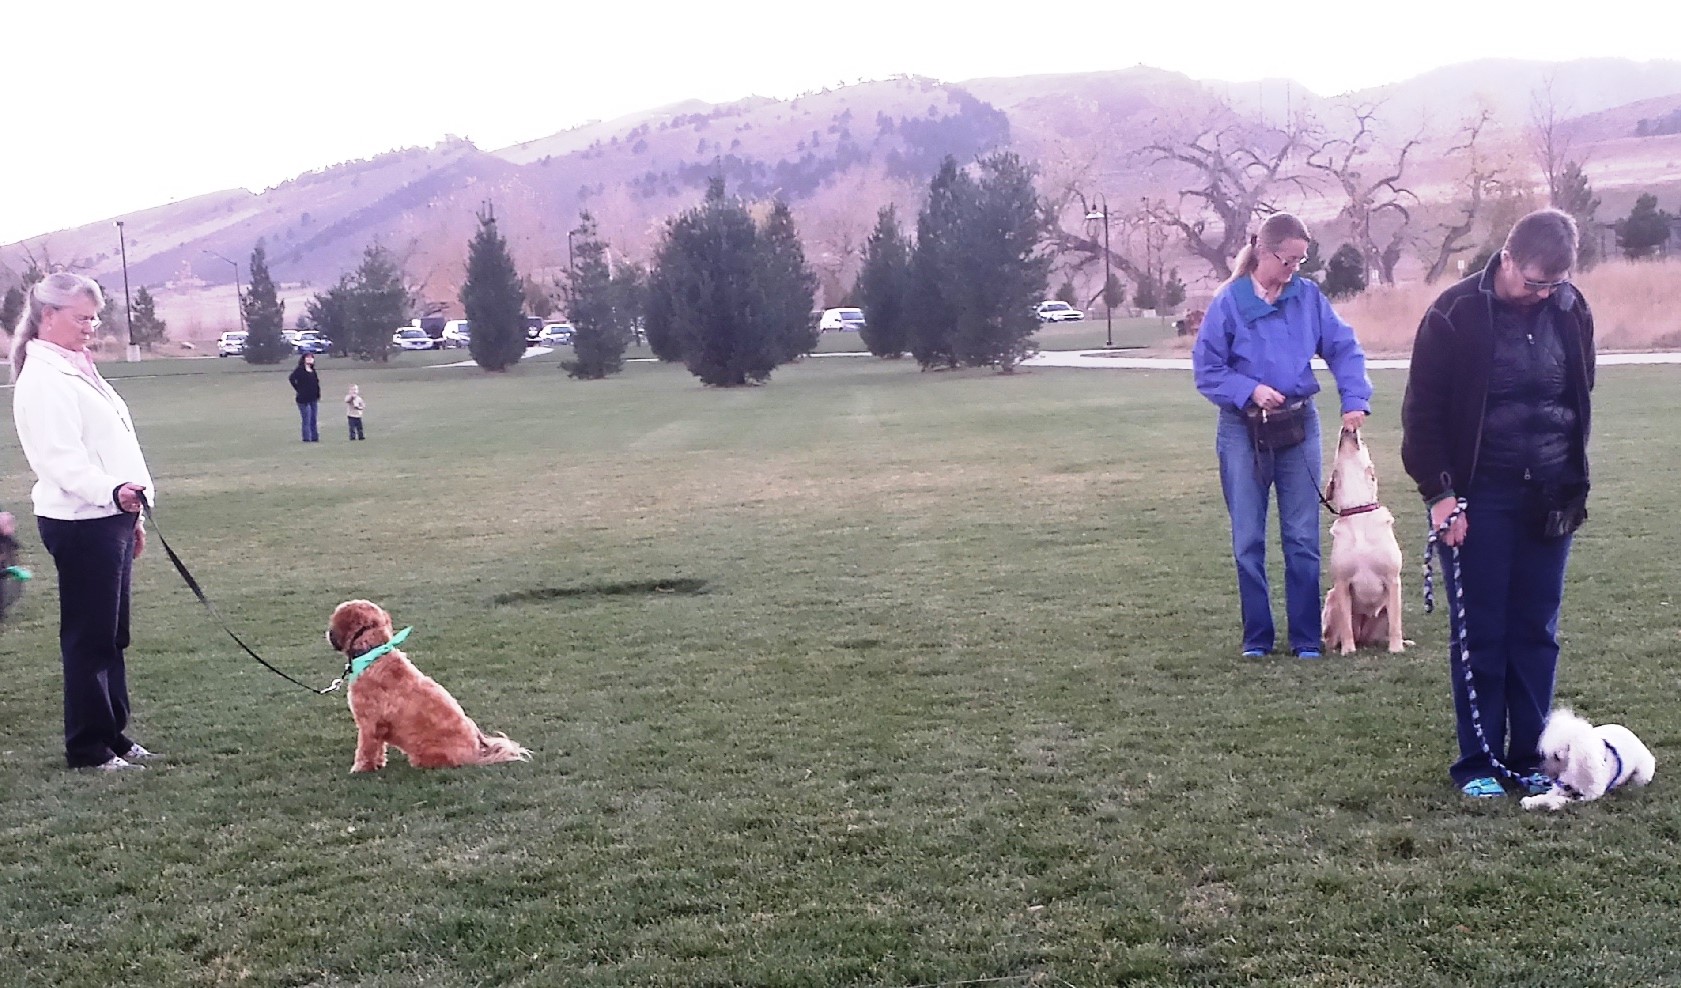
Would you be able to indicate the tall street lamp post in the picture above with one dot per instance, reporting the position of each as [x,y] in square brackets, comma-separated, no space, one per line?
[128,306]
[1099,210]
[238,292]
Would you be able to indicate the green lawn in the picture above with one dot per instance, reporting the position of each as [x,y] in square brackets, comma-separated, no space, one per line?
[863,677]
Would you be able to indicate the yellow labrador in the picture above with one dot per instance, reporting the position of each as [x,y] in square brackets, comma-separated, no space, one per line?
[1363,606]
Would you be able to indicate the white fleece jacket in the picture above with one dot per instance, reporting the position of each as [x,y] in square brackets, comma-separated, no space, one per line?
[78,439]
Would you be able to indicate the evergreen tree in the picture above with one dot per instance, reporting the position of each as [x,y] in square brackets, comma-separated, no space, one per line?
[659,317]
[148,328]
[884,287]
[1313,266]
[11,309]
[378,304]
[1173,291]
[1345,273]
[264,314]
[494,296]
[716,299]
[1644,230]
[932,309]
[1575,196]
[113,321]
[1114,293]
[329,314]
[1144,296]
[599,330]
[787,287]
[1065,293]
[999,272]
[630,295]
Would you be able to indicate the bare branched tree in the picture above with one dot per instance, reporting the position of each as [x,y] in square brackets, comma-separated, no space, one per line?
[1372,200]
[1080,250]
[1237,169]
[1549,141]
[1482,180]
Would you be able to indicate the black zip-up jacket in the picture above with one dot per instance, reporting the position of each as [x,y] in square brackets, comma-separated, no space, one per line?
[306,383]
[1447,384]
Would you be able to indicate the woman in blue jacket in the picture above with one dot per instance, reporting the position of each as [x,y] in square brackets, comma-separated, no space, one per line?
[1254,355]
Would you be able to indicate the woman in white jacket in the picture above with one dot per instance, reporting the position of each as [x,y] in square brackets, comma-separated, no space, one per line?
[91,480]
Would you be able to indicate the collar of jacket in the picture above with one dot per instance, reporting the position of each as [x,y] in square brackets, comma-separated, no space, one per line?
[1251,306]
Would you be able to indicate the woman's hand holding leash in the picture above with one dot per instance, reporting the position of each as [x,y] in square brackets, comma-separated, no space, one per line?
[1439,514]
[1352,421]
[131,498]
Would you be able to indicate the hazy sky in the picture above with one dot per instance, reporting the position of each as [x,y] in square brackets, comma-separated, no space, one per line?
[118,106]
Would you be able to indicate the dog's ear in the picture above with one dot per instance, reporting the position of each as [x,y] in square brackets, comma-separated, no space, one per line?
[1331,486]
[354,620]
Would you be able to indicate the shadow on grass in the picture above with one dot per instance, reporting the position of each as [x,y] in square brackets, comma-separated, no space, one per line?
[684,586]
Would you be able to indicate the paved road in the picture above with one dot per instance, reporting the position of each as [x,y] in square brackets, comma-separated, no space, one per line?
[1113,359]
[1116,360]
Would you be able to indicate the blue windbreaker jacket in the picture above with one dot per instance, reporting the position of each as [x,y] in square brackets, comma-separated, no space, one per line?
[1245,341]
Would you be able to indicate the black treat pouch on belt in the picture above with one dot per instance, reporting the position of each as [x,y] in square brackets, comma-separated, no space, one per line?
[1279,428]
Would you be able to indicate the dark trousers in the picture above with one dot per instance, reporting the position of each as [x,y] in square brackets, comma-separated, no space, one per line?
[306,414]
[355,426]
[94,559]
[1514,586]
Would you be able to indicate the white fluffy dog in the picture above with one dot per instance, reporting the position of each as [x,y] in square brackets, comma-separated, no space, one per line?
[1586,762]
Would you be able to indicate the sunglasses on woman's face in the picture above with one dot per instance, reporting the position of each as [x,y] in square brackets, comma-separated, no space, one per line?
[1289,262]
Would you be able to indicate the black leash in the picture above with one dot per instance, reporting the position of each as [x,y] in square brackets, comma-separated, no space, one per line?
[192,584]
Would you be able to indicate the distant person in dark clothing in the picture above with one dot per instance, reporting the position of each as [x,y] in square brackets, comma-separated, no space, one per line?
[1496,418]
[307,385]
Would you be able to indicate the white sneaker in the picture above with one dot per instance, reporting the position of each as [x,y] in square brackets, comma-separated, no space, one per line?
[115,764]
[135,753]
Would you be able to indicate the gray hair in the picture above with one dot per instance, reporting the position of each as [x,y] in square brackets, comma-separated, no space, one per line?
[56,290]
[1278,228]
[1546,239]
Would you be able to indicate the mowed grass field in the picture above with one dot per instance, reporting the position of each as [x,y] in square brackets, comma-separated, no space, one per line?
[863,677]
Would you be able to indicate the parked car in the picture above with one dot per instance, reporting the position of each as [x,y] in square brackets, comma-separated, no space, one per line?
[231,344]
[846,320]
[310,341]
[1055,311]
[412,338]
[457,333]
[555,334]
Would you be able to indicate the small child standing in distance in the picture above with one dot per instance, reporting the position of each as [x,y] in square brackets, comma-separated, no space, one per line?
[354,404]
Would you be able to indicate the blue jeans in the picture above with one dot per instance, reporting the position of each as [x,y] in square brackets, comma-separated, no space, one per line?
[307,411]
[1514,586]
[1246,476]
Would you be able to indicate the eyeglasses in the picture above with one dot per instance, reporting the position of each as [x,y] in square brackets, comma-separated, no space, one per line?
[1545,286]
[92,322]
[1289,262]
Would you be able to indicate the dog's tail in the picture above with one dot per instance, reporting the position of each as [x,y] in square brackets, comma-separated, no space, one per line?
[496,748]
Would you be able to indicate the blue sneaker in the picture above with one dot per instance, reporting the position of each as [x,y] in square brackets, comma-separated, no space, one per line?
[1308,653]
[1535,783]
[1486,787]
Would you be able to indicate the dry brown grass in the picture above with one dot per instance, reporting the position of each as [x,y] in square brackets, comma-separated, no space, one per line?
[1636,306]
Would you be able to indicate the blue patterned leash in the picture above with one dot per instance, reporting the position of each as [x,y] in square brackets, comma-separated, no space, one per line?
[1459,651]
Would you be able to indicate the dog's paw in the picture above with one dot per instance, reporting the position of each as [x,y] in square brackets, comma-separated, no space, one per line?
[1545,801]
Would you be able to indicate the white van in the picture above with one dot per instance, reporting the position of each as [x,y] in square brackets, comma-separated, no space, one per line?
[457,334]
[847,320]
